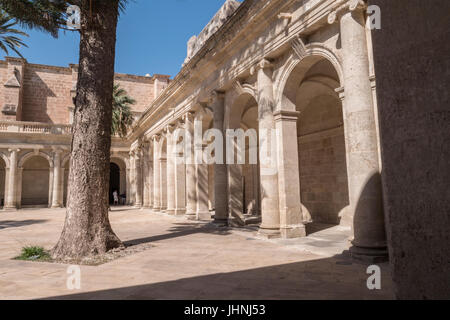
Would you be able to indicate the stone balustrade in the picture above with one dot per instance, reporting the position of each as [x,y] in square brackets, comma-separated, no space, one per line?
[33,127]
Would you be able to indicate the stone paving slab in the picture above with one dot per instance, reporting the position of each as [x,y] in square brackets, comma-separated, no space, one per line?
[187,260]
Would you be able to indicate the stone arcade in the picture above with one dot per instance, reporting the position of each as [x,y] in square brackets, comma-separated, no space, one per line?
[304,68]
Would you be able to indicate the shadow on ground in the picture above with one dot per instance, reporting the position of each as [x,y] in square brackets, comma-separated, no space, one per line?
[316,279]
[180,230]
[17,224]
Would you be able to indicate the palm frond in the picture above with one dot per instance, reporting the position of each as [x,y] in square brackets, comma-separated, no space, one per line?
[8,35]
[122,115]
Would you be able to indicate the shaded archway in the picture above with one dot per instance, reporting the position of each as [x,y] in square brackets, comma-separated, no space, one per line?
[2,182]
[311,89]
[35,182]
[114,181]
[118,179]
[244,176]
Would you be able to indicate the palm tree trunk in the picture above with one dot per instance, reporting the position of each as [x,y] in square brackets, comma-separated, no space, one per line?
[87,230]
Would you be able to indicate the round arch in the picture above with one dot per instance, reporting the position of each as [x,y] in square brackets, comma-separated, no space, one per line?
[314,53]
[35,177]
[29,155]
[308,86]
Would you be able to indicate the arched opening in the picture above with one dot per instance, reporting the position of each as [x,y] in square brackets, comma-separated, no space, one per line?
[114,181]
[35,182]
[118,180]
[2,182]
[321,142]
[244,176]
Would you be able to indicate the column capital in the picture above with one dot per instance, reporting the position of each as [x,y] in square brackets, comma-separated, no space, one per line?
[286,115]
[57,151]
[156,137]
[189,116]
[356,5]
[14,150]
[170,128]
[216,95]
[264,64]
[344,6]
[341,92]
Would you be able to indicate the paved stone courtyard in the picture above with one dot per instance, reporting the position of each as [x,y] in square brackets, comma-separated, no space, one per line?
[187,260]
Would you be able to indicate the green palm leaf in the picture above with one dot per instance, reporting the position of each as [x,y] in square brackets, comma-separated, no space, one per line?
[9,36]
[122,116]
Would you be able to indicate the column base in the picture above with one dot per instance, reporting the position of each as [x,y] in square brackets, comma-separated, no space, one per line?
[170,212]
[190,215]
[293,231]
[221,222]
[264,233]
[369,255]
[10,209]
[203,216]
[180,212]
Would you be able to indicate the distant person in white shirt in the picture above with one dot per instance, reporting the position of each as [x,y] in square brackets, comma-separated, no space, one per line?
[116,198]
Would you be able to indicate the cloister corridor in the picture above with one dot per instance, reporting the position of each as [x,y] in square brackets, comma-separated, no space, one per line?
[186,260]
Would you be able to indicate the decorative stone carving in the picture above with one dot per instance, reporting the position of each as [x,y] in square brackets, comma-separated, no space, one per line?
[332,17]
[299,47]
[356,4]
[196,43]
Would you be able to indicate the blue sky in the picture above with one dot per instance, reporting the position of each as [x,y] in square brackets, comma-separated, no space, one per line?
[151,37]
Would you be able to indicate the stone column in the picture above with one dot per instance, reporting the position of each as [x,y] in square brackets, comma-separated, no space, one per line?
[11,201]
[128,184]
[180,176]
[156,174]
[145,177]
[138,178]
[270,210]
[220,167]
[201,187]
[57,188]
[132,194]
[148,177]
[163,176]
[361,139]
[170,171]
[191,193]
[291,219]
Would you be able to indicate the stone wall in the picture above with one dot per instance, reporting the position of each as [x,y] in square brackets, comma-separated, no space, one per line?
[323,176]
[44,93]
[35,182]
[412,64]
